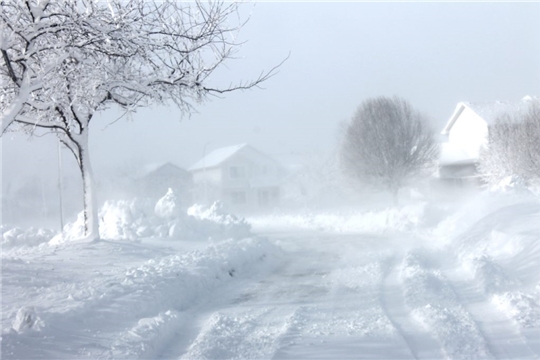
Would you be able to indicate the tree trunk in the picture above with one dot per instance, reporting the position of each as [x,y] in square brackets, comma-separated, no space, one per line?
[91,221]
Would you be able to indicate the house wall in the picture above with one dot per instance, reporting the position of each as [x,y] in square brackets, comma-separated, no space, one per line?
[251,181]
[469,133]
[246,170]
[247,180]
[211,176]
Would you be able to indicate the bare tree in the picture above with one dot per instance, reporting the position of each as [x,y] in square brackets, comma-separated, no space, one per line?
[387,143]
[64,61]
[513,147]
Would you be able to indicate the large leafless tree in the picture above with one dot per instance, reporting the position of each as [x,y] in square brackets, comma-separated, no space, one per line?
[63,61]
[513,147]
[387,143]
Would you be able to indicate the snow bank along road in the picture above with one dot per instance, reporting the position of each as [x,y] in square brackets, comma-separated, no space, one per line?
[469,288]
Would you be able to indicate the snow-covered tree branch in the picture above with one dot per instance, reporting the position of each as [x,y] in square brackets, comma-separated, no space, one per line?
[64,61]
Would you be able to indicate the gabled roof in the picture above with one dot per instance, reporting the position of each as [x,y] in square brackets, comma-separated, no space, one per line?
[151,168]
[490,111]
[217,157]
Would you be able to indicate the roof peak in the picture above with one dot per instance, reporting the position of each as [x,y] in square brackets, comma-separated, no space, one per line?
[217,156]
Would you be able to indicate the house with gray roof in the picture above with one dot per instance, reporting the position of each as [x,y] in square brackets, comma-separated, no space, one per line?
[240,176]
[467,134]
[154,180]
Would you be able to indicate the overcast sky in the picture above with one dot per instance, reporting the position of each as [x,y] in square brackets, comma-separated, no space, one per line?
[432,54]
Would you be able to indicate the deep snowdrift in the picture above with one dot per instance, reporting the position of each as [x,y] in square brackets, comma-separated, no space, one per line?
[427,280]
[141,218]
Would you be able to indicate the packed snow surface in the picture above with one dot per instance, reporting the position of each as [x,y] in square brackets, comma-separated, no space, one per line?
[422,281]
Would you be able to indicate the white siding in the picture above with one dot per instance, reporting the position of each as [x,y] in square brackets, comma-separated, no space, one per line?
[469,133]
[209,176]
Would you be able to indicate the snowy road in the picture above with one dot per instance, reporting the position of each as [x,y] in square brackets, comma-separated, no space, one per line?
[461,292]
[358,297]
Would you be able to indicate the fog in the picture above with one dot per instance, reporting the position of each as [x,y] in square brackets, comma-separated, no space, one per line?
[267,248]
[339,54]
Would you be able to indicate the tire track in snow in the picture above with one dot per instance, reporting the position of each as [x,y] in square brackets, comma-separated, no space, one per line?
[503,337]
[258,318]
[435,306]
[321,304]
[421,345]
[250,334]
[130,313]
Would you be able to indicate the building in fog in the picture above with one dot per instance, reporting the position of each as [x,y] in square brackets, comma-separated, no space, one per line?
[240,176]
[467,133]
[154,180]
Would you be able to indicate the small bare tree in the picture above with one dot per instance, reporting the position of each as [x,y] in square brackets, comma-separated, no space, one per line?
[387,143]
[513,147]
[64,61]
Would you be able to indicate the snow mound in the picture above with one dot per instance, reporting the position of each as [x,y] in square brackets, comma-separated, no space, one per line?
[133,309]
[27,320]
[215,219]
[128,220]
[14,236]
[167,206]
[136,219]
[482,215]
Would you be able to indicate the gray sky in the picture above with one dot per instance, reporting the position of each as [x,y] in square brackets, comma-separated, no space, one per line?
[432,54]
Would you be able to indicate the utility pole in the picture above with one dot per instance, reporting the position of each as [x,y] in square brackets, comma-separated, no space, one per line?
[204,175]
[60,187]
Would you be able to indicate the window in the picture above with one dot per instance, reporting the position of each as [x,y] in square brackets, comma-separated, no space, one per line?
[237,172]
[238,197]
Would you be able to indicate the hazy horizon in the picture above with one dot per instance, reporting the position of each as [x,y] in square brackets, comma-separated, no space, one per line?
[432,54]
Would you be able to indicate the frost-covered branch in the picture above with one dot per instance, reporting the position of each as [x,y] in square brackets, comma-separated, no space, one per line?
[64,61]
[513,148]
[388,143]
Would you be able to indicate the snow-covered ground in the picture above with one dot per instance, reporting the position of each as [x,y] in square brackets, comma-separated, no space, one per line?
[421,281]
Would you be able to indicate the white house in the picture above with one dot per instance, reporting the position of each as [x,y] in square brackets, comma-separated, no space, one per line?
[240,176]
[467,133]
